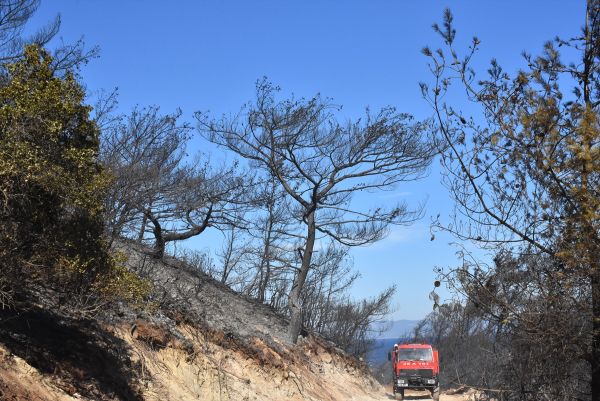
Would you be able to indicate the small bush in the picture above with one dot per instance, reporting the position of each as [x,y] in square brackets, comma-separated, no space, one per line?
[121,284]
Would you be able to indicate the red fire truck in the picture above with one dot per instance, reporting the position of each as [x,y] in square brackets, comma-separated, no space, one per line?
[416,367]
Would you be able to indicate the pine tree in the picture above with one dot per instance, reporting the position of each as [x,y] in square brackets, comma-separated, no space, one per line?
[524,170]
[50,182]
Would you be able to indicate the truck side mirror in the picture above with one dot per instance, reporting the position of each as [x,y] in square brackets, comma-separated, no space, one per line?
[389,356]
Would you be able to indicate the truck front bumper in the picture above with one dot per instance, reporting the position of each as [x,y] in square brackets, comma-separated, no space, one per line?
[415,383]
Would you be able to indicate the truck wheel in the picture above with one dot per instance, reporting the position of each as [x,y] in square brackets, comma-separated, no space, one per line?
[435,394]
[399,395]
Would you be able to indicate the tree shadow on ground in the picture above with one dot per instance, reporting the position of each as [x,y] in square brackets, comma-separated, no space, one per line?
[80,352]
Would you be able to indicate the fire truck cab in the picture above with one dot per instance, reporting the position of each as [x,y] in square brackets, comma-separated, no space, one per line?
[416,367]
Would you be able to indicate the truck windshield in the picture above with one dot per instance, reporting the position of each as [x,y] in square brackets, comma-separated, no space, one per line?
[415,354]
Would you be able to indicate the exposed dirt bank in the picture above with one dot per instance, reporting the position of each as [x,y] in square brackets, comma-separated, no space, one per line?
[201,342]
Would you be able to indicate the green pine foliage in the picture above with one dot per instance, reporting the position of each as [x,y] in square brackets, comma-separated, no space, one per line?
[51,186]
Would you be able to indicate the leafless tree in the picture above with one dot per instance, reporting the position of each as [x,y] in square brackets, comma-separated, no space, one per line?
[233,257]
[352,323]
[14,16]
[466,343]
[321,164]
[274,236]
[330,311]
[205,198]
[144,152]
[198,261]
[326,285]
[157,187]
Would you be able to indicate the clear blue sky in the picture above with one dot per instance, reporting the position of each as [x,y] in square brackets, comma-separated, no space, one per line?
[206,55]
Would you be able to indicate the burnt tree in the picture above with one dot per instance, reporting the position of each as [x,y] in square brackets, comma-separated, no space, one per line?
[524,170]
[321,163]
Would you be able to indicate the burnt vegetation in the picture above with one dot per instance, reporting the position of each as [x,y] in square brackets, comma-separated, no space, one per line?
[81,184]
[522,168]
[95,206]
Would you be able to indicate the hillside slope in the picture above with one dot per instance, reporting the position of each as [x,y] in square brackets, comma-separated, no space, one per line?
[217,369]
[202,341]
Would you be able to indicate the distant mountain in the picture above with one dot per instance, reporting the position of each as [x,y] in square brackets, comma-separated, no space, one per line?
[396,328]
[393,332]
[380,350]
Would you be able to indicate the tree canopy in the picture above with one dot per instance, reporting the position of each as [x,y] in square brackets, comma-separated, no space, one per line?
[51,183]
[522,164]
[320,164]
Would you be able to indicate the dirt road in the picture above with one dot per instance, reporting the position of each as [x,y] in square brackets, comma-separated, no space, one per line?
[425,396]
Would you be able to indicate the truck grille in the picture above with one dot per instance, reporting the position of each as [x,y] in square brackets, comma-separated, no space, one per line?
[416,372]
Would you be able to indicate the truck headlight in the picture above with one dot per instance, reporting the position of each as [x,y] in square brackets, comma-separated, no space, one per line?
[401,383]
[430,381]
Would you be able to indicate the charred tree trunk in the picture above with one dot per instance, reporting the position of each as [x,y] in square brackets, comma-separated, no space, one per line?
[295,304]
[159,239]
[595,357]
[142,229]
[265,265]
[227,259]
